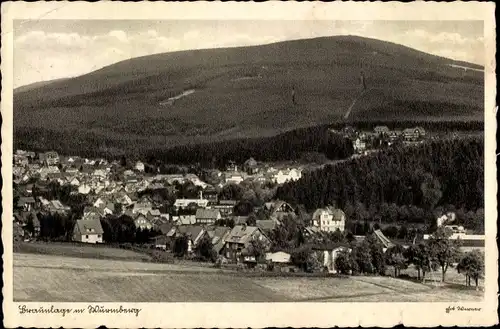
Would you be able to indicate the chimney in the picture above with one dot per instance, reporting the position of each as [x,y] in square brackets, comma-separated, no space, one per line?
[244,227]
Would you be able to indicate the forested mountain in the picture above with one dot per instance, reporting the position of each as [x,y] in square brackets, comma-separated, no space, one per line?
[420,179]
[243,92]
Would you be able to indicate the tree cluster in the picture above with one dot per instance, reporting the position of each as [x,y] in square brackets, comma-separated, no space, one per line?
[398,185]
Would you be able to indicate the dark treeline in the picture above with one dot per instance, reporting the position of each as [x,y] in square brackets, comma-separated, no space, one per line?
[440,126]
[291,145]
[420,179]
[120,229]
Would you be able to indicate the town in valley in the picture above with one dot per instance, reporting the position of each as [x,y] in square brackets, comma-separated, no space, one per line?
[336,167]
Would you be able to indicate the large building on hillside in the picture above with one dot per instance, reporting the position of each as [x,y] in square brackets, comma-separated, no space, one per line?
[329,219]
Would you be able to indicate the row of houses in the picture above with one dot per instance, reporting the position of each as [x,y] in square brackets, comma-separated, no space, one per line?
[365,140]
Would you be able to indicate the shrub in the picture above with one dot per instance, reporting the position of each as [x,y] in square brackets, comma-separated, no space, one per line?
[343,263]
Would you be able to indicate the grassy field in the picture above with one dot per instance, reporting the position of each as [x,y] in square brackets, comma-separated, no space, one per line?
[48,278]
[80,250]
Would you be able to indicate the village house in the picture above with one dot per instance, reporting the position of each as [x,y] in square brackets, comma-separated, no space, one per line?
[283,176]
[280,261]
[225,207]
[195,180]
[49,158]
[239,240]
[55,206]
[141,222]
[194,233]
[101,201]
[184,219]
[278,209]
[139,166]
[218,235]
[184,203]
[92,213]
[108,208]
[381,130]
[44,172]
[26,203]
[380,237]
[143,206]
[123,198]
[162,241]
[329,219]
[88,231]
[359,145]
[231,167]
[233,178]
[26,189]
[207,216]
[210,193]
[171,179]
[413,134]
[251,167]
[267,225]
[74,182]
[84,189]
[21,161]
[394,136]
[26,219]
[100,174]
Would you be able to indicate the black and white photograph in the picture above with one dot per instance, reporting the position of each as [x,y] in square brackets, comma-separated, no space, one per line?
[328,161]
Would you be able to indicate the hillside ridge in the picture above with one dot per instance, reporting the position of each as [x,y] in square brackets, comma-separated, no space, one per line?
[237,92]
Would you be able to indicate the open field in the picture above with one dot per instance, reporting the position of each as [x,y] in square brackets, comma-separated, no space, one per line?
[64,279]
[80,251]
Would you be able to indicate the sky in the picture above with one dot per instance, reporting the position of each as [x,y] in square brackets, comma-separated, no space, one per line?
[52,49]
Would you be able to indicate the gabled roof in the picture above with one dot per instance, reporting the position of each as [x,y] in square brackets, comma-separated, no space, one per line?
[274,206]
[336,213]
[207,213]
[110,206]
[240,220]
[155,212]
[166,227]
[383,239]
[218,231]
[192,231]
[187,219]
[241,234]
[24,200]
[91,226]
[267,225]
[25,215]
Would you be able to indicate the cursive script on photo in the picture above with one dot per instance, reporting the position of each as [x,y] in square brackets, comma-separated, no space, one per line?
[91,309]
[462,308]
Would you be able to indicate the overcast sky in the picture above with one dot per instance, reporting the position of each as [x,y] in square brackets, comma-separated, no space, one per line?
[50,49]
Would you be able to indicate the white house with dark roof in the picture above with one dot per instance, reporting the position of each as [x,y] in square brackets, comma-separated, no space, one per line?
[329,219]
[88,231]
